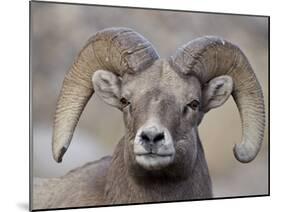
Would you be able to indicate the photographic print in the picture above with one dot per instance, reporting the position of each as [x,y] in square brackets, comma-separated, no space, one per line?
[139,105]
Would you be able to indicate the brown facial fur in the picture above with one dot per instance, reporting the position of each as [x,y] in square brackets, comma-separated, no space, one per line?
[162,92]
[159,91]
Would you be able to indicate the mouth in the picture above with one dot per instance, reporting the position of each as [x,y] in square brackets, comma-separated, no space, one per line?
[153,155]
[154,161]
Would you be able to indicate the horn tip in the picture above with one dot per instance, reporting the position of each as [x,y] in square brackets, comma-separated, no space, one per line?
[58,155]
[244,153]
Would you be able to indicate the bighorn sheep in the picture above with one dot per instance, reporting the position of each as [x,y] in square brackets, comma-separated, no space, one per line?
[160,157]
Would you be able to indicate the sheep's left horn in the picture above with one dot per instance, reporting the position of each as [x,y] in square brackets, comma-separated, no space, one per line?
[120,50]
[211,56]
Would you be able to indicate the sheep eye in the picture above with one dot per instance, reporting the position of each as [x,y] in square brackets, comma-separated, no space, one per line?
[124,102]
[193,104]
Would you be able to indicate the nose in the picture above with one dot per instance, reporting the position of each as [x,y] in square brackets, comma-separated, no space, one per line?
[152,135]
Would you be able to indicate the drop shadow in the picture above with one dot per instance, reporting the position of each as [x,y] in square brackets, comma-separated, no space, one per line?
[23,206]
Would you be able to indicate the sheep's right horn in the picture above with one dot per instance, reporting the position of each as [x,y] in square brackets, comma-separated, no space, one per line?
[209,57]
[120,50]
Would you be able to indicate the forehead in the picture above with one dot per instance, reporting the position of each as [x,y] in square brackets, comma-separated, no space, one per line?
[163,78]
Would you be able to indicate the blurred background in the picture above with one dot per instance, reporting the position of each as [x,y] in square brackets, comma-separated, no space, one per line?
[59,31]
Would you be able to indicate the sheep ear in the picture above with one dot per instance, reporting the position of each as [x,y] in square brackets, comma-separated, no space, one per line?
[216,92]
[108,87]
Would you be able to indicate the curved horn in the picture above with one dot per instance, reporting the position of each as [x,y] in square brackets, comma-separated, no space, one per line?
[120,50]
[209,57]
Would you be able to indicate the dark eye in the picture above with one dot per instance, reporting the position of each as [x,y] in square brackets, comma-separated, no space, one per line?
[124,102]
[193,104]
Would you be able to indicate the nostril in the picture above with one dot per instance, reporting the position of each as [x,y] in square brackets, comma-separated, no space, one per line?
[144,137]
[151,137]
[158,137]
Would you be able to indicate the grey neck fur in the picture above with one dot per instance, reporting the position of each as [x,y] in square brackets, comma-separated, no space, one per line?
[121,187]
